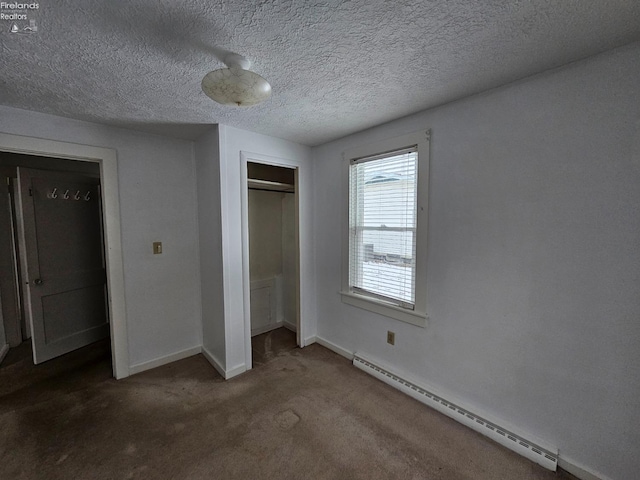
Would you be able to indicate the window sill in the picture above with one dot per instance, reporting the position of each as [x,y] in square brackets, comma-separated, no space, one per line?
[382,308]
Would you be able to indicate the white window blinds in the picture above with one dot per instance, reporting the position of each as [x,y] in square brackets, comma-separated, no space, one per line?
[382,226]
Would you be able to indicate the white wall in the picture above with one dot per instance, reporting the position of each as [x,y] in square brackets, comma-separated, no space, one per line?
[272,251]
[156,178]
[265,234]
[265,259]
[207,155]
[289,264]
[232,142]
[533,258]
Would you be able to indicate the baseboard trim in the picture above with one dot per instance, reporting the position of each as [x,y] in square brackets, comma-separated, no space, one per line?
[309,340]
[335,348]
[538,452]
[158,362]
[578,470]
[3,351]
[567,464]
[266,328]
[235,371]
[215,363]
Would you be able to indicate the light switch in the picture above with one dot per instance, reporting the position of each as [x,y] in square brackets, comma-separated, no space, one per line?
[391,338]
[157,248]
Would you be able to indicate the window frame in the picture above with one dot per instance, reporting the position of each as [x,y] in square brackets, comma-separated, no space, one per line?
[417,316]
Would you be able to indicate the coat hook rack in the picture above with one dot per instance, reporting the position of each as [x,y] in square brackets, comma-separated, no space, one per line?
[53,193]
[65,195]
[77,195]
[87,197]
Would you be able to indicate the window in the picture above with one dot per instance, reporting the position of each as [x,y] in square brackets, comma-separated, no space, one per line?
[382,226]
[385,261]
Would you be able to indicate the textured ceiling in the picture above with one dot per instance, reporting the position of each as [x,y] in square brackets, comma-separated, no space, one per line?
[336,67]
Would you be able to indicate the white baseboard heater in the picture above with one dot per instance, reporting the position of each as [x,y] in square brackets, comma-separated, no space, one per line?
[545,456]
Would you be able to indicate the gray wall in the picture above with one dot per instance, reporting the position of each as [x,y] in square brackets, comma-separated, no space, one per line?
[272,247]
[289,260]
[207,155]
[3,338]
[156,178]
[533,258]
[265,234]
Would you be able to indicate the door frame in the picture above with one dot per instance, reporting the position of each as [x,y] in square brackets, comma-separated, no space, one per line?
[13,324]
[108,161]
[302,284]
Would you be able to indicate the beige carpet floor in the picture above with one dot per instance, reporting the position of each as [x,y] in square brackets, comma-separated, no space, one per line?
[299,414]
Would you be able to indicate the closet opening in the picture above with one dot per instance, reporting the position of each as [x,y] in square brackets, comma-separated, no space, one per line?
[53,282]
[102,189]
[272,211]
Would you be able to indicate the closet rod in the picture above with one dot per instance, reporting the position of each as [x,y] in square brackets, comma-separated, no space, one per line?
[256,184]
[270,190]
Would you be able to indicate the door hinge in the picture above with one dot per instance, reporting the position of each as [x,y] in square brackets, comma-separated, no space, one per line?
[31,192]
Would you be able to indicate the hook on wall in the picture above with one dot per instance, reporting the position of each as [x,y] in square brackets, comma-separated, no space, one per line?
[66,196]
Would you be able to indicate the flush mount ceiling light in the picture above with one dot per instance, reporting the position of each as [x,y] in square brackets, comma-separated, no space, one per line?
[236,85]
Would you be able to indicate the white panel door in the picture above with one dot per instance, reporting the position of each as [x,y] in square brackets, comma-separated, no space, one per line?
[61,232]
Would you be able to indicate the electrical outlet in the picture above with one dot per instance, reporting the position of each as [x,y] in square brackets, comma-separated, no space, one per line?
[391,338]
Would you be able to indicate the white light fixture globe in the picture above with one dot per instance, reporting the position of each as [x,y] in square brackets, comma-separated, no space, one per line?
[236,85]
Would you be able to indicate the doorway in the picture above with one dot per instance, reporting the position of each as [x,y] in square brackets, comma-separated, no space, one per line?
[53,281]
[274,296]
[273,259]
[106,161]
